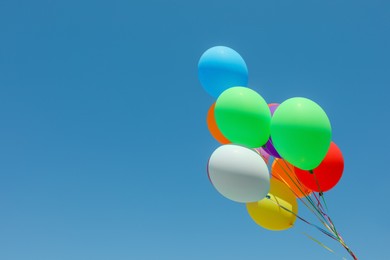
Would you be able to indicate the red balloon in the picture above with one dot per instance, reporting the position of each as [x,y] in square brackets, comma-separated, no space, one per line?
[327,174]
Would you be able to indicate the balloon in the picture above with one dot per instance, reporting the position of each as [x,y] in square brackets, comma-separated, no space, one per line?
[207,170]
[301,132]
[268,214]
[213,128]
[243,117]
[273,107]
[263,154]
[327,174]
[269,147]
[220,68]
[239,173]
[284,172]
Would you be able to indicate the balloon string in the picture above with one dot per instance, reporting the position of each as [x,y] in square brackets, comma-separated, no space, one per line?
[321,209]
[324,220]
[323,245]
[304,220]
[322,196]
[319,242]
[296,182]
[321,192]
[308,198]
[339,238]
[318,210]
[322,230]
[318,214]
[326,215]
[319,205]
[313,208]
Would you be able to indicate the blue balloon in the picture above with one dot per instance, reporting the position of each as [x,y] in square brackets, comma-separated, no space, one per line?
[221,68]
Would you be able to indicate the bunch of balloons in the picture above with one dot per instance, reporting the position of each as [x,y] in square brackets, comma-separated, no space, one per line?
[271,155]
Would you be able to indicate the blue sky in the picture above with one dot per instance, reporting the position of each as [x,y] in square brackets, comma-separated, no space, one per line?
[103,140]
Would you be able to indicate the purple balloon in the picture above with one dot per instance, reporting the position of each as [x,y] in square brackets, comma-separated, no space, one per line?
[270,149]
[273,107]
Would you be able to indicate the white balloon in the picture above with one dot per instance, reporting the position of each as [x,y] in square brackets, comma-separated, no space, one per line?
[239,173]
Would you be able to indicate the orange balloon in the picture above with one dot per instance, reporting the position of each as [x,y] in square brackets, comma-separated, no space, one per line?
[213,128]
[284,171]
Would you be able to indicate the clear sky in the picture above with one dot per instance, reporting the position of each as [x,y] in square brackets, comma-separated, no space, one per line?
[103,140]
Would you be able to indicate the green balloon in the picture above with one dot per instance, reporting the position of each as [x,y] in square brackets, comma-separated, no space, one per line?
[243,117]
[301,132]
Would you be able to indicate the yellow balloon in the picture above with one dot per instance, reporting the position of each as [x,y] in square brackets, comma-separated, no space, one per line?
[268,214]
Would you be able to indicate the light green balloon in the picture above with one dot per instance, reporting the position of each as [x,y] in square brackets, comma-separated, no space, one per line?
[301,132]
[243,117]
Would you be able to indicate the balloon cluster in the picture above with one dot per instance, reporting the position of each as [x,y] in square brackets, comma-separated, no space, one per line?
[270,154]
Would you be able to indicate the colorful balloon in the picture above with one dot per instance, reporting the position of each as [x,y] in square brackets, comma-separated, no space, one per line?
[243,117]
[268,214]
[301,132]
[327,174]
[213,128]
[284,172]
[220,68]
[239,173]
[263,154]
